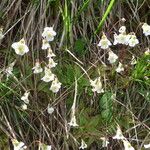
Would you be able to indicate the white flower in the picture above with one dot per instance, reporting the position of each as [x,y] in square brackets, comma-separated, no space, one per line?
[119,135]
[9,69]
[122,29]
[1,33]
[45,44]
[127,145]
[146,29]
[48,33]
[73,122]
[119,68]
[24,106]
[18,145]
[122,38]
[112,57]
[56,85]
[83,145]
[20,47]
[49,147]
[97,85]
[147,145]
[104,42]
[37,68]
[25,97]
[49,76]
[51,63]
[133,61]
[45,147]
[50,53]
[133,41]
[50,109]
[105,142]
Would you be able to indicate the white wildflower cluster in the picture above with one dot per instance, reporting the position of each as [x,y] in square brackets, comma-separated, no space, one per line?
[124,38]
[121,38]
[21,48]
[18,145]
[48,36]
[119,136]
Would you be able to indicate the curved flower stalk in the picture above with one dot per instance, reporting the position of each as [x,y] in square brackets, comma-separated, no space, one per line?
[97,85]
[45,44]
[37,68]
[112,57]
[18,145]
[49,34]
[146,29]
[25,97]
[20,47]
[73,122]
[119,68]
[49,76]
[104,43]
[55,86]
[122,29]
[83,145]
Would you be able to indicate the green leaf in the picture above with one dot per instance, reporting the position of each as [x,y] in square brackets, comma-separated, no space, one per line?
[80,47]
[105,104]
